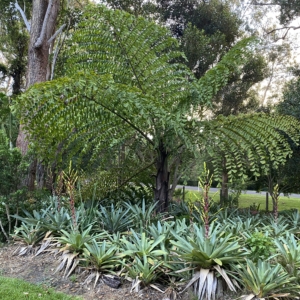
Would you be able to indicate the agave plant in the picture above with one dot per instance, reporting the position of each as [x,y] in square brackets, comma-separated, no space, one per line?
[86,216]
[158,230]
[293,219]
[75,241]
[264,280]
[115,220]
[142,273]
[142,214]
[55,220]
[102,258]
[34,218]
[288,254]
[28,237]
[142,246]
[209,258]
[238,224]
[181,228]
[276,227]
[74,244]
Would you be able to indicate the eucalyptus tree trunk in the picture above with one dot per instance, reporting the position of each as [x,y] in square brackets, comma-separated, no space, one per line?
[43,23]
[161,190]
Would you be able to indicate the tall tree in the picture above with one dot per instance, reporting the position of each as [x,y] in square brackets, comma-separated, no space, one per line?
[121,84]
[41,29]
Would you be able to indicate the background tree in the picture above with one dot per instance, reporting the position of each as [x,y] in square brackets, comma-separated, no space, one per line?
[14,44]
[288,175]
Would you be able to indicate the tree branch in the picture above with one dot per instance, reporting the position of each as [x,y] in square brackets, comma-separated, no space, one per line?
[124,119]
[56,33]
[39,41]
[286,27]
[254,2]
[17,6]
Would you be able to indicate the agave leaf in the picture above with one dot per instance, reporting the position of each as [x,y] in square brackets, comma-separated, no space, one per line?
[156,288]
[44,246]
[184,270]
[202,281]
[90,278]
[97,278]
[226,278]
[135,285]
[194,279]
[280,295]
[209,287]
[218,261]
[248,297]
[74,265]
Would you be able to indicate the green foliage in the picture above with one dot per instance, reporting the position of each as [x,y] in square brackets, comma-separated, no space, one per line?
[115,220]
[142,246]
[135,91]
[30,235]
[102,257]
[75,241]
[98,184]
[11,167]
[261,246]
[201,252]
[142,214]
[14,40]
[174,252]
[288,254]
[209,257]
[289,9]
[264,280]
[291,98]
[143,272]
[162,229]
[250,141]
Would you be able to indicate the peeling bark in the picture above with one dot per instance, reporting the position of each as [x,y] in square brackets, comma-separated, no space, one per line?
[38,58]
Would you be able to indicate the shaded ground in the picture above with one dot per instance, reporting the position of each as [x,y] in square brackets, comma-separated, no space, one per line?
[40,270]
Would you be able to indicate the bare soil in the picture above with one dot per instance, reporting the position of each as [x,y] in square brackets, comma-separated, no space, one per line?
[40,270]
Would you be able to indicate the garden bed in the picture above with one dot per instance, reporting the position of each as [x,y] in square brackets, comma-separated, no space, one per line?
[40,270]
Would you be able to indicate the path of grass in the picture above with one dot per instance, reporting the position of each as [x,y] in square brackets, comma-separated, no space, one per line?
[16,289]
[248,199]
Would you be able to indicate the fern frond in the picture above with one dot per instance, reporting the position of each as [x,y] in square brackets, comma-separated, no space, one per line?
[250,141]
[137,52]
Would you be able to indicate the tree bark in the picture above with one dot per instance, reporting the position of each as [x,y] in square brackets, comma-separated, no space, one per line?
[42,27]
[161,190]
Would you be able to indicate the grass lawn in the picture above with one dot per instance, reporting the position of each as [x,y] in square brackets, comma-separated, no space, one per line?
[15,289]
[248,199]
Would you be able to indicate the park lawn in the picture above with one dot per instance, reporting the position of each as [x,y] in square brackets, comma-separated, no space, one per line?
[11,288]
[246,200]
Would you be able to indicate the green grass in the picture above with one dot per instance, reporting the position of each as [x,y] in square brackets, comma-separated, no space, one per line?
[246,200]
[19,290]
